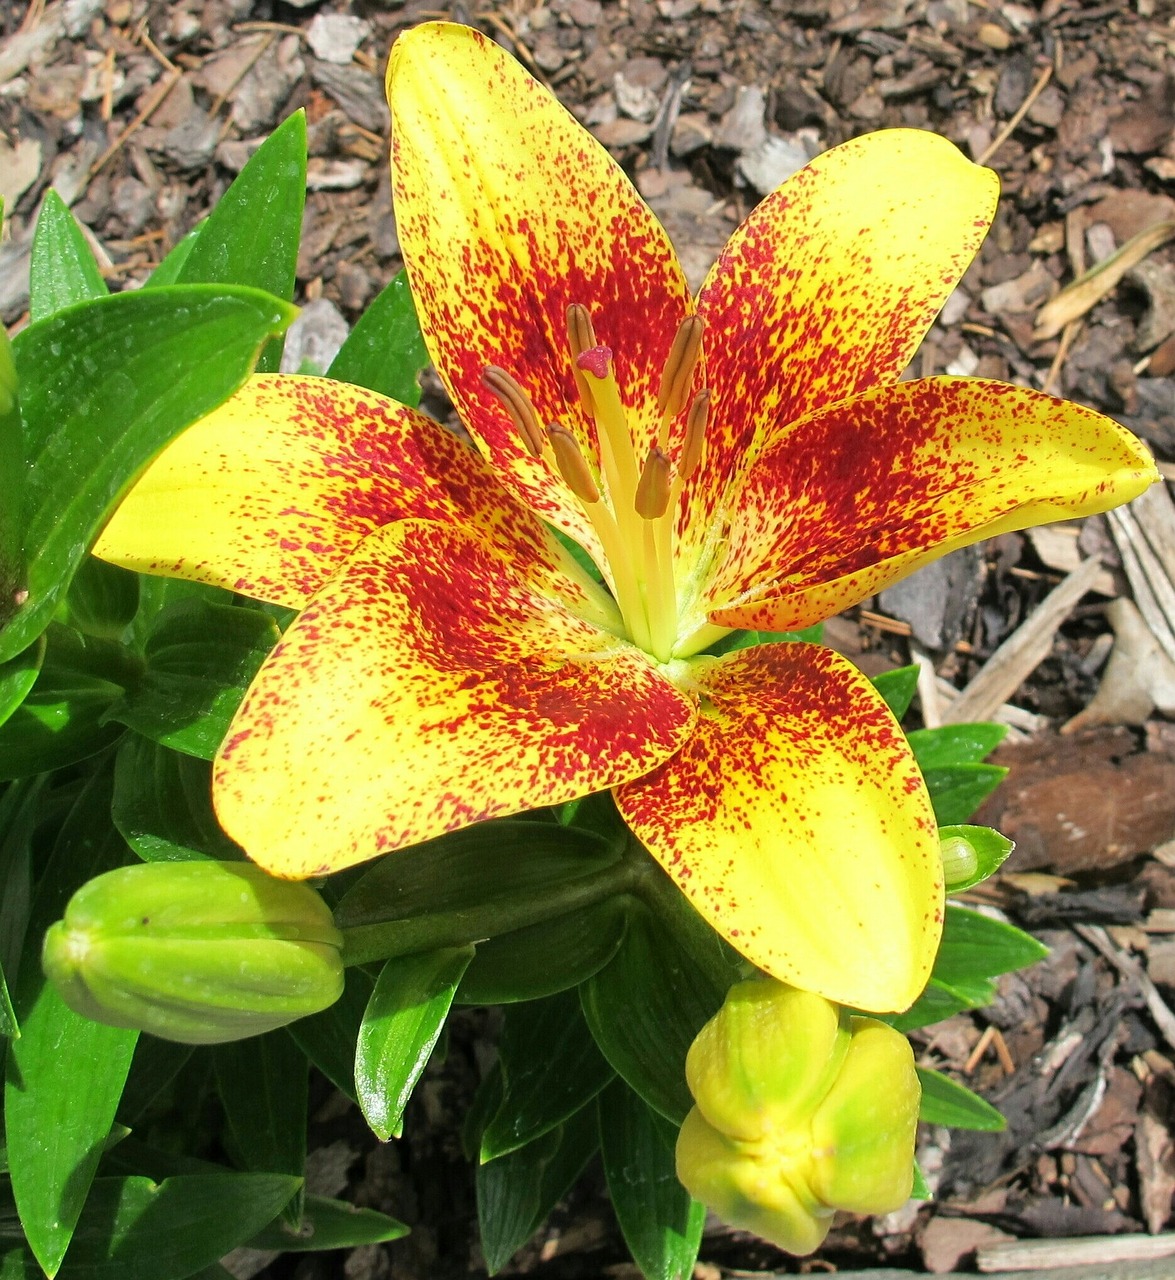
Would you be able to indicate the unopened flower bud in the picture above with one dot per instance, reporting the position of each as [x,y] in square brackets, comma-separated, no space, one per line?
[801,1110]
[960,861]
[200,952]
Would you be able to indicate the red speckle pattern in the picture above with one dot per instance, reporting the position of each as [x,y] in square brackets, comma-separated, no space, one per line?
[849,499]
[796,821]
[508,212]
[433,683]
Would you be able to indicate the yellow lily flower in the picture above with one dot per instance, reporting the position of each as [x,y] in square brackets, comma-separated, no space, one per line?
[747,459]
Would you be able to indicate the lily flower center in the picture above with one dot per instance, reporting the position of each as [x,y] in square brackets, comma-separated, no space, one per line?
[630,501]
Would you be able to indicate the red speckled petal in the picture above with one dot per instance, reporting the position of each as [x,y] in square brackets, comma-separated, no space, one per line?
[508,211]
[831,283]
[797,823]
[431,684]
[271,491]
[860,494]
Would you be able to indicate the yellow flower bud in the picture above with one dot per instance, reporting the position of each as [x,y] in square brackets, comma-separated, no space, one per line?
[200,952]
[802,1109]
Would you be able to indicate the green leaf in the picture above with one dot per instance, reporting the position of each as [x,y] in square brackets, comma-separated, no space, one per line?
[21,810]
[975,947]
[251,237]
[102,599]
[264,1092]
[168,271]
[200,660]
[18,675]
[13,465]
[945,1101]
[516,1192]
[329,1038]
[155,1065]
[940,1000]
[749,639]
[921,1188]
[163,804]
[400,1028]
[646,1006]
[136,1229]
[144,365]
[63,719]
[544,958]
[330,1224]
[991,849]
[551,1068]
[955,744]
[957,790]
[65,1074]
[62,266]
[385,352]
[9,1026]
[897,688]
[662,1225]
[479,882]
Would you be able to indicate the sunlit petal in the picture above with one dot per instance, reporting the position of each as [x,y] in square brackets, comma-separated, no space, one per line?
[433,683]
[269,493]
[832,282]
[796,821]
[860,494]
[508,211]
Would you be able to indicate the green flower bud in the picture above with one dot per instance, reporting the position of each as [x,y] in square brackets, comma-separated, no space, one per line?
[960,860]
[200,952]
[802,1109]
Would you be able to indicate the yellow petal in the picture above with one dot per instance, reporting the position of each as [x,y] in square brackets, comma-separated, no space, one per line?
[858,495]
[831,283]
[797,823]
[431,684]
[270,492]
[508,211]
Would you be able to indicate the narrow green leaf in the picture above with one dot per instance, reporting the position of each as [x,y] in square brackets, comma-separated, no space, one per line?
[957,790]
[330,1224]
[163,804]
[551,1068]
[646,1006]
[264,1091]
[945,1101]
[144,365]
[662,1225]
[544,958]
[21,810]
[136,1229]
[990,848]
[155,1065]
[975,947]
[102,599]
[385,351]
[955,744]
[939,1001]
[251,236]
[62,266]
[897,688]
[737,640]
[516,1192]
[329,1038]
[18,675]
[63,718]
[13,464]
[921,1189]
[65,1074]
[400,1028]
[9,1026]
[200,660]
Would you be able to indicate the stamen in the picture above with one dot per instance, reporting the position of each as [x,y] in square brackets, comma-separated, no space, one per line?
[679,368]
[572,465]
[652,490]
[695,434]
[517,404]
[581,337]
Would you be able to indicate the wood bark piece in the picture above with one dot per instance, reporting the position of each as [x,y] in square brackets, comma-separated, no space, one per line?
[1097,937]
[1144,533]
[1035,1255]
[1023,651]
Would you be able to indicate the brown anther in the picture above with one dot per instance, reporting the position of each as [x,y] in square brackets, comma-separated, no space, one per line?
[572,465]
[653,488]
[518,406]
[581,337]
[678,374]
[695,433]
